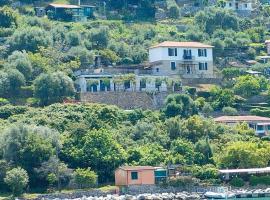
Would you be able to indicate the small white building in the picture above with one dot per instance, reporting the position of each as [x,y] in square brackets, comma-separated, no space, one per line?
[241,5]
[184,59]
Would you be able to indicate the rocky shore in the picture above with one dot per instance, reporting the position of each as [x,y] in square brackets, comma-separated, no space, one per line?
[163,196]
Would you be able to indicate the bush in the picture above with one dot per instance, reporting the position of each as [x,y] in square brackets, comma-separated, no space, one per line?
[259,180]
[3,101]
[237,182]
[8,110]
[17,179]
[182,181]
[85,178]
[229,111]
[260,112]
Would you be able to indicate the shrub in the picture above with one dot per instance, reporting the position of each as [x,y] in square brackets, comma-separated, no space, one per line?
[17,179]
[260,112]
[229,111]
[8,110]
[182,181]
[256,180]
[3,101]
[237,182]
[85,178]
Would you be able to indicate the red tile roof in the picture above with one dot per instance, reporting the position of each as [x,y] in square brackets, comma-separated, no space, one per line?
[182,44]
[134,168]
[247,118]
[63,5]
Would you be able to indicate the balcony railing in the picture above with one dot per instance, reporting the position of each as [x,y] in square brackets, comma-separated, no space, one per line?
[188,57]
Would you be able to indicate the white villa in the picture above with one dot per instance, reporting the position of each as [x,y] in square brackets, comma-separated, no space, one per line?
[241,5]
[184,59]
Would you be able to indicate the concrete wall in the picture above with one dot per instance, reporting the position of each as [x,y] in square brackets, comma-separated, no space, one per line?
[127,100]
[161,62]
[120,177]
[145,177]
[164,67]
[247,6]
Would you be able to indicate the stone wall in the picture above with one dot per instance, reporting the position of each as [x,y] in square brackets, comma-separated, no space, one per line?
[127,100]
[76,194]
[152,189]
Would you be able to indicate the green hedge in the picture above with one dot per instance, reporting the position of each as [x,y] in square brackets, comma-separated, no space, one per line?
[260,112]
[259,180]
[8,110]
[237,182]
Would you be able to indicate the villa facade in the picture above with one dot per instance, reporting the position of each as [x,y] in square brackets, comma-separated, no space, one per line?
[183,59]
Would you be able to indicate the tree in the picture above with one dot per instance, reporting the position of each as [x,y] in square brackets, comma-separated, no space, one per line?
[247,86]
[8,17]
[85,178]
[16,81]
[11,81]
[100,38]
[73,38]
[96,149]
[4,83]
[17,179]
[229,111]
[54,171]
[179,105]
[29,39]
[221,97]
[244,155]
[19,60]
[184,149]
[51,88]
[214,18]
[27,146]
[174,12]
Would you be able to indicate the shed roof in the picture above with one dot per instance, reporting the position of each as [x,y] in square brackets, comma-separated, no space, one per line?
[182,44]
[251,170]
[245,118]
[134,168]
[56,5]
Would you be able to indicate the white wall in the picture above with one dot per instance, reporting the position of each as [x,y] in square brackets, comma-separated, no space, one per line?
[161,53]
[241,5]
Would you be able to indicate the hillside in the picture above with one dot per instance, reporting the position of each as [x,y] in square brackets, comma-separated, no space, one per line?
[52,145]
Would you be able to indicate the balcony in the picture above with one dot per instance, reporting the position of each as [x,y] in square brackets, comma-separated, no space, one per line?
[188,57]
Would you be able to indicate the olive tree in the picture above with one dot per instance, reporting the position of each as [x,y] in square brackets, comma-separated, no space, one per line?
[17,179]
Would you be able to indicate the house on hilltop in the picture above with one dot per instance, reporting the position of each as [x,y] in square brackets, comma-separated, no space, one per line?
[261,125]
[243,7]
[185,59]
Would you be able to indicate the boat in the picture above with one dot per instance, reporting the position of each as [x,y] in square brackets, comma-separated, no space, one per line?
[219,195]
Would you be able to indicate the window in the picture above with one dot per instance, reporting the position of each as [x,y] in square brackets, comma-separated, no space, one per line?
[202,52]
[157,69]
[260,128]
[134,175]
[172,51]
[246,5]
[126,84]
[187,54]
[230,4]
[173,65]
[203,66]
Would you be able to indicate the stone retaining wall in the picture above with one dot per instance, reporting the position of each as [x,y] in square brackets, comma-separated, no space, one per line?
[127,100]
[75,195]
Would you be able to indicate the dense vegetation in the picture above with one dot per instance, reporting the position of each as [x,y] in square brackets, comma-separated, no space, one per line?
[73,146]
[70,138]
